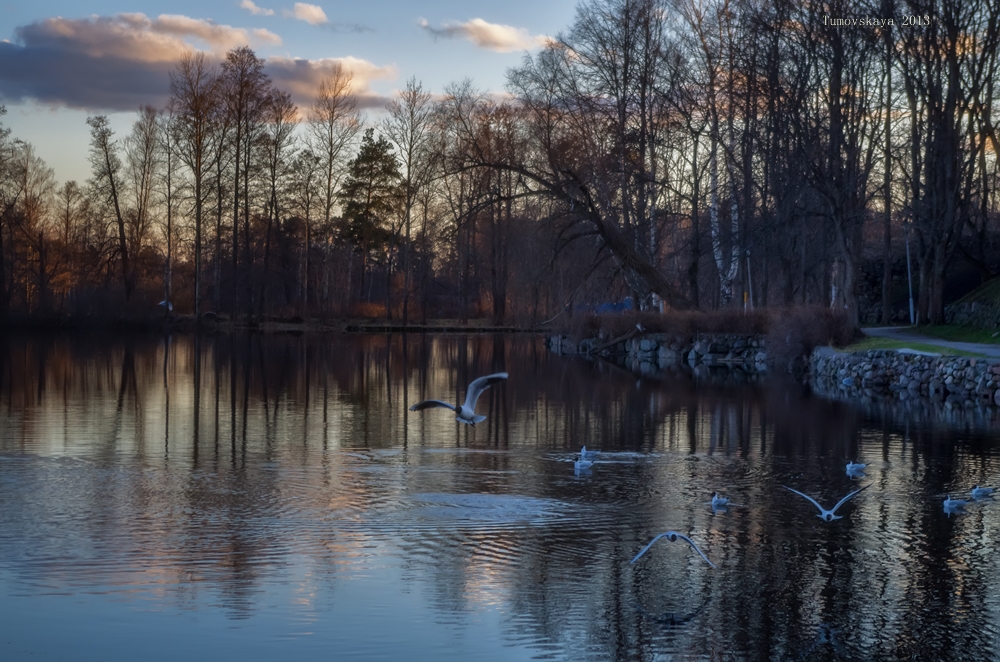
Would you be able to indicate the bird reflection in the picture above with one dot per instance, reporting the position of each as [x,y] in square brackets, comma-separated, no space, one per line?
[672,536]
[826,636]
[672,619]
[824,514]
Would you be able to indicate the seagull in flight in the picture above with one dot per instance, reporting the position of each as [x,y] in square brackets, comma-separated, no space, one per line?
[981,492]
[467,411]
[824,514]
[672,536]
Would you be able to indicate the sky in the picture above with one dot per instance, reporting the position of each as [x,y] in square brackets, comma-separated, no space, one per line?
[62,61]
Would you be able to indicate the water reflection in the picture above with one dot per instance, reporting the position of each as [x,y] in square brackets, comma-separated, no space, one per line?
[282,482]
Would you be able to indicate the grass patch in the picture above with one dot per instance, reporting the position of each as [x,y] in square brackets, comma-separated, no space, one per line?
[888,343]
[961,334]
[988,293]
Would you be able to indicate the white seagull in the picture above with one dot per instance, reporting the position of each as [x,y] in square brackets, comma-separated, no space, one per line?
[719,501]
[824,514]
[954,506]
[588,455]
[583,464]
[672,536]
[467,411]
[856,469]
[981,492]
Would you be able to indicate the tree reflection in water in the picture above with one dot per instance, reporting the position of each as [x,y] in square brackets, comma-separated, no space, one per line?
[267,478]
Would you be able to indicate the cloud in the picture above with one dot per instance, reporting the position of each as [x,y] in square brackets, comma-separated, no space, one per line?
[311,14]
[301,78]
[491,36]
[255,10]
[124,61]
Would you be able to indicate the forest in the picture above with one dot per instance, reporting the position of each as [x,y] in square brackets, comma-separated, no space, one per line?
[661,155]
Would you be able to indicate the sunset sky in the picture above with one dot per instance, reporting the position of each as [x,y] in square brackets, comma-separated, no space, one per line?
[61,61]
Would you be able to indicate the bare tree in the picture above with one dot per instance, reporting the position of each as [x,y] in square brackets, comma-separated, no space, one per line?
[245,91]
[278,144]
[408,127]
[334,123]
[195,103]
[106,165]
[167,137]
[589,98]
[304,193]
[142,164]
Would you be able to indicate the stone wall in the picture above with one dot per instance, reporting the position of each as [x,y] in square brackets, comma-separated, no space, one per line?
[904,375]
[660,351]
[975,314]
[911,379]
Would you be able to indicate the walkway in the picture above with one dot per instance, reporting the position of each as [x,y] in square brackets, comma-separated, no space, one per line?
[905,333]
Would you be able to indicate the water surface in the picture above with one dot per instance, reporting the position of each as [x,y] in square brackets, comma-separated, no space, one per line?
[265,498]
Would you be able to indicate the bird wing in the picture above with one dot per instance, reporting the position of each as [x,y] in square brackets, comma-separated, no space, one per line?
[651,542]
[427,404]
[672,535]
[814,502]
[479,385]
[691,542]
[844,500]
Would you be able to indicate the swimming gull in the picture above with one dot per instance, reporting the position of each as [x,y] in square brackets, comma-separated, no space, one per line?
[954,506]
[981,492]
[583,464]
[856,469]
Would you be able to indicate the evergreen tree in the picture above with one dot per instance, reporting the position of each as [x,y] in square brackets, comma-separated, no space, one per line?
[372,196]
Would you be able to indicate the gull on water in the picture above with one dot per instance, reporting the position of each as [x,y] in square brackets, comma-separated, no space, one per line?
[672,536]
[980,492]
[584,464]
[856,469]
[954,506]
[467,411]
[824,514]
[719,501]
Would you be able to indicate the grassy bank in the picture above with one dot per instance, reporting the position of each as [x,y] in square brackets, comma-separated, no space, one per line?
[889,343]
[962,334]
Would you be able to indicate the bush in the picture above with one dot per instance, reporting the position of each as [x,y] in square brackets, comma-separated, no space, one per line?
[795,332]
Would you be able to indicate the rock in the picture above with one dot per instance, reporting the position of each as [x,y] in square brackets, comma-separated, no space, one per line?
[647,345]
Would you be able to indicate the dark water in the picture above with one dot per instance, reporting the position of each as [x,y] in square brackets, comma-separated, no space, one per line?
[273,499]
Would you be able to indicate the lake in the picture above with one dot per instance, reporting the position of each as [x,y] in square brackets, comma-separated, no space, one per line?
[272,498]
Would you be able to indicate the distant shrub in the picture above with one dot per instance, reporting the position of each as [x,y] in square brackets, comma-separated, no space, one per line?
[795,332]
[367,310]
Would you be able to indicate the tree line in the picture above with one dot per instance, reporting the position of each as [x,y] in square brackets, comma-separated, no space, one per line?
[691,154]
